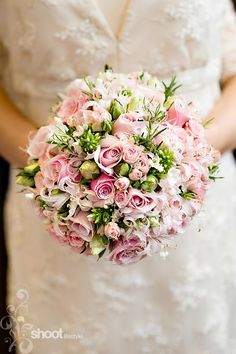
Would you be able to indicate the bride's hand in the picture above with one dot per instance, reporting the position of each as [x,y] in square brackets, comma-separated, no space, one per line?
[221,133]
[14,130]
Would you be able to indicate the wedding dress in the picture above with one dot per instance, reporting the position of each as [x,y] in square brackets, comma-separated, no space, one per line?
[184,304]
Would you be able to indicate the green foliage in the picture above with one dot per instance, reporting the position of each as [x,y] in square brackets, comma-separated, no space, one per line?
[41,202]
[155,115]
[136,184]
[188,195]
[212,171]
[147,141]
[62,139]
[166,159]
[102,216]
[171,88]
[89,140]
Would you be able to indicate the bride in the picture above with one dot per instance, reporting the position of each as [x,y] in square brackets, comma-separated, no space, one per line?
[184,304]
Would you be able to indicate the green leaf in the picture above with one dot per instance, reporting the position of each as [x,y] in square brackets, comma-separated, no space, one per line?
[42,203]
[188,195]
[63,138]
[166,159]
[212,171]
[171,88]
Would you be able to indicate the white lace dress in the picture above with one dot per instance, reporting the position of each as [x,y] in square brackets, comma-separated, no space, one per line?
[185,304]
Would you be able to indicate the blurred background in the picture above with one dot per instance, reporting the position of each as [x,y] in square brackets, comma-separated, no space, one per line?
[4,173]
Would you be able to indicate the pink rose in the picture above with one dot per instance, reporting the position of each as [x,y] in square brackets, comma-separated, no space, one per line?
[81,226]
[103,186]
[122,183]
[142,164]
[68,108]
[196,185]
[177,114]
[72,169]
[110,154]
[38,144]
[95,117]
[112,230]
[76,241]
[128,251]
[131,153]
[135,175]
[194,128]
[128,123]
[121,198]
[175,202]
[58,232]
[53,170]
[140,201]
[74,90]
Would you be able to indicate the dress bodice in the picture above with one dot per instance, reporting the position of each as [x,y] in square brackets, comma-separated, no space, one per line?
[50,42]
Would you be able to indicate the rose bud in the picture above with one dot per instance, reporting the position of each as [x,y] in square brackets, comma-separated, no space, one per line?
[150,184]
[116,109]
[122,169]
[122,183]
[89,170]
[32,169]
[27,181]
[112,230]
[97,245]
[135,175]
[154,221]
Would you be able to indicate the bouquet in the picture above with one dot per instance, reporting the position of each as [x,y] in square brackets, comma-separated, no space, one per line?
[122,167]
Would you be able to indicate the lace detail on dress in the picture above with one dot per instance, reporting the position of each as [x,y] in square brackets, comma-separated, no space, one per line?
[189,292]
[90,42]
[113,287]
[185,12]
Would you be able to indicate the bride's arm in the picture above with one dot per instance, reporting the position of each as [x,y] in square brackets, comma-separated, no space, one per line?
[221,133]
[14,132]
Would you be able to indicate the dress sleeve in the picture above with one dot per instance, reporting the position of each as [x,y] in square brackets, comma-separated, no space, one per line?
[229,43]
